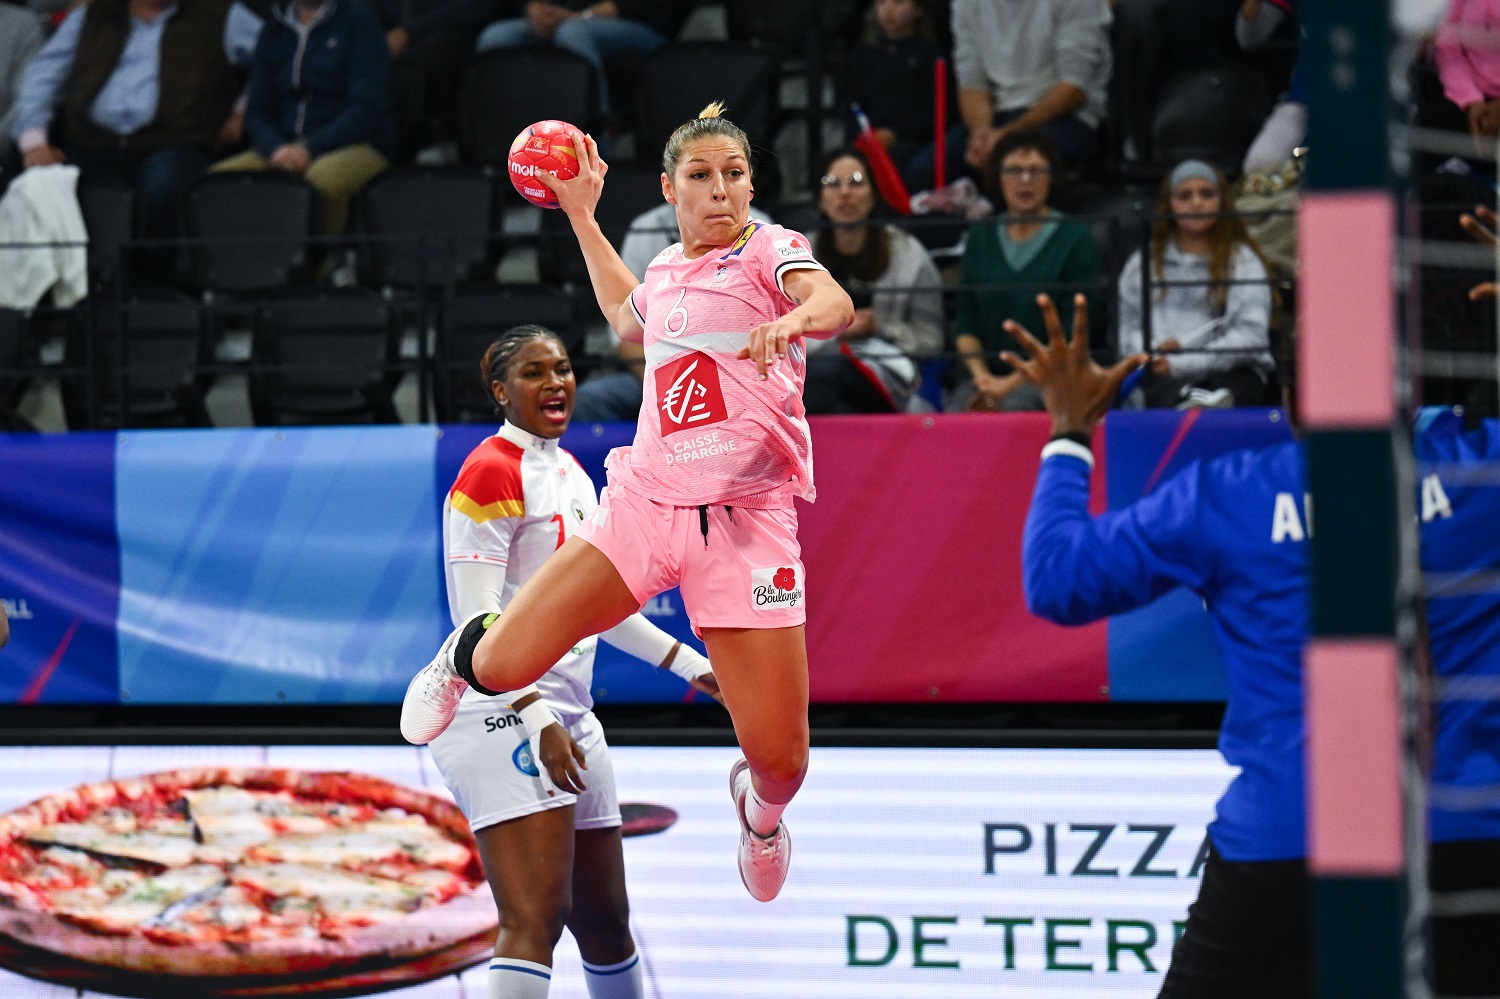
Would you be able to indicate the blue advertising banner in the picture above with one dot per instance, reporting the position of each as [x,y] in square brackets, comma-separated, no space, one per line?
[276,566]
[1166,651]
[59,568]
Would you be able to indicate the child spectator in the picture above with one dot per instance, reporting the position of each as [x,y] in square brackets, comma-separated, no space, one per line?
[1210,298]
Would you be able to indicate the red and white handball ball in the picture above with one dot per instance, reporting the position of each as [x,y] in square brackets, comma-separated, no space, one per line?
[544,146]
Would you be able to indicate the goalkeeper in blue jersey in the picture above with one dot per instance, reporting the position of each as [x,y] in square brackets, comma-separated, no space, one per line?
[1458,506]
[1235,531]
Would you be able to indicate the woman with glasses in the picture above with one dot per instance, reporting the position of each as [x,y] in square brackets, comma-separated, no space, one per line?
[1007,262]
[897,294]
[1211,299]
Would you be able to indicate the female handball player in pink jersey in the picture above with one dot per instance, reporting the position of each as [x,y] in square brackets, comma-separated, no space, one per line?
[703,498]
[531,770]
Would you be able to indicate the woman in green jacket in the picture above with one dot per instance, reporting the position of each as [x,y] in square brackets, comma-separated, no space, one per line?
[1007,262]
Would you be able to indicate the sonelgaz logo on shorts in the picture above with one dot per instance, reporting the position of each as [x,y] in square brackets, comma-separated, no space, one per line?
[688,393]
[777,587]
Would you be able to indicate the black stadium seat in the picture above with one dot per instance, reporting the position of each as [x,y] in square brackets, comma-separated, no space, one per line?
[427,227]
[12,356]
[327,358]
[680,80]
[632,187]
[469,324]
[1212,115]
[508,89]
[250,230]
[154,344]
[108,207]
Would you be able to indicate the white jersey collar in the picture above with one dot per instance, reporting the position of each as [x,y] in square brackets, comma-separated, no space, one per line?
[528,441]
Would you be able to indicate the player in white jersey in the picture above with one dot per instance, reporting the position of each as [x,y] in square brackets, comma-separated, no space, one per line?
[530,769]
[703,498]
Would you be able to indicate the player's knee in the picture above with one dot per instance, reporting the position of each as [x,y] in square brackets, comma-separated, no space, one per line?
[602,929]
[539,922]
[781,767]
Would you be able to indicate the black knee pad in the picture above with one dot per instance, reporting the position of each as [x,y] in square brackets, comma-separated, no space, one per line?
[463,651]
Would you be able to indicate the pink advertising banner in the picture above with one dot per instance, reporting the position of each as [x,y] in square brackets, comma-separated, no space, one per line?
[913,553]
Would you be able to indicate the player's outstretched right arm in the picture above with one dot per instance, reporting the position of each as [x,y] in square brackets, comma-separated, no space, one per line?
[1077,567]
[611,279]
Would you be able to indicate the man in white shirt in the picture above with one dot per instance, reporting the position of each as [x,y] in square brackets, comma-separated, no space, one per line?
[1032,64]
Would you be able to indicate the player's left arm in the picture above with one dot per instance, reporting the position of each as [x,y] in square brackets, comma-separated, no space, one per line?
[638,637]
[823,309]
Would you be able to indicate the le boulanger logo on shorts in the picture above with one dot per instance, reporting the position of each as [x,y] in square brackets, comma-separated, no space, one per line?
[777,587]
[688,393]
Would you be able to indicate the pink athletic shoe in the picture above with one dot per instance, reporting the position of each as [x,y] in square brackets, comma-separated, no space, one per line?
[763,861]
[432,697]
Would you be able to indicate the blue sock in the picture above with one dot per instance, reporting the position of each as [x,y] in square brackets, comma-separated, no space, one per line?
[615,981]
[512,978]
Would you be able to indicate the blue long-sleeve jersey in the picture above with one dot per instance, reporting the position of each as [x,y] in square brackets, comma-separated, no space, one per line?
[1458,504]
[1235,530]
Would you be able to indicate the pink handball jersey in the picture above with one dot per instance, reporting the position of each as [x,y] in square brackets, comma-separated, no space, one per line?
[711,430]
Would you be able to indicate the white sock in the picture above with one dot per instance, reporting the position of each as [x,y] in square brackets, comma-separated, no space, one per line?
[761,815]
[513,978]
[615,981]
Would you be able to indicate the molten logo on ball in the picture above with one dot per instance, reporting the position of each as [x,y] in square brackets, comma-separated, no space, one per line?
[544,147]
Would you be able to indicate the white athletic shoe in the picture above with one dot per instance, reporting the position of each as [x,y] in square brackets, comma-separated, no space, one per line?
[763,862]
[432,697]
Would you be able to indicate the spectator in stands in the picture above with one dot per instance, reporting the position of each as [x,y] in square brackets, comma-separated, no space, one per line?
[20,38]
[1032,64]
[143,90]
[891,78]
[1211,302]
[1468,63]
[318,95]
[1031,249]
[595,30]
[432,43]
[898,299]
[617,396]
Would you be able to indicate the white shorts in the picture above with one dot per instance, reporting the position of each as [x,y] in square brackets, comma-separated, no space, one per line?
[485,759]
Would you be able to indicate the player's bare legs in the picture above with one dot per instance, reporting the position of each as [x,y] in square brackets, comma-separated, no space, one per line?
[529,865]
[762,673]
[600,922]
[576,593]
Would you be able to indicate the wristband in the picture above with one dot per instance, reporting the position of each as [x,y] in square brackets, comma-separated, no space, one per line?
[689,663]
[1073,444]
[1080,437]
[537,716]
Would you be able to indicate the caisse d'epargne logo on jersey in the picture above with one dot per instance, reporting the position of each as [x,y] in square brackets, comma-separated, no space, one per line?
[776,587]
[688,395]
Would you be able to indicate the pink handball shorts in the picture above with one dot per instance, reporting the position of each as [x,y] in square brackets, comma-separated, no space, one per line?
[743,571]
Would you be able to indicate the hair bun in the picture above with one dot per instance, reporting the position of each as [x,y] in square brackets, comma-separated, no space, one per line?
[714,110]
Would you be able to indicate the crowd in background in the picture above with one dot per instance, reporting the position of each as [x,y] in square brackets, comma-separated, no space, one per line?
[1141,153]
